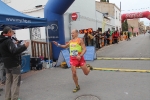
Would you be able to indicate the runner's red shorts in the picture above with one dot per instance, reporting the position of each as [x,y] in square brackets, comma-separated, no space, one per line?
[75,62]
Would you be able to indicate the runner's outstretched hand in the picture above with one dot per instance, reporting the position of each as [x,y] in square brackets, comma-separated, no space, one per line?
[55,43]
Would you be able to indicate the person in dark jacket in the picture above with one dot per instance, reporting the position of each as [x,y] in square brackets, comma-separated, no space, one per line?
[11,58]
[97,36]
[2,70]
[108,37]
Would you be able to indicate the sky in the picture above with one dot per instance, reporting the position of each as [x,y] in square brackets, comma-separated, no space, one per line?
[131,6]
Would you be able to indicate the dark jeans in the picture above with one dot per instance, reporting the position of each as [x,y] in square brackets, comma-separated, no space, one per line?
[108,41]
[97,44]
[105,42]
[86,42]
[116,40]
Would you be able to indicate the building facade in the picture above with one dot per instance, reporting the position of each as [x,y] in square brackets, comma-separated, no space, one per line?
[142,27]
[147,27]
[133,23]
[89,17]
[112,10]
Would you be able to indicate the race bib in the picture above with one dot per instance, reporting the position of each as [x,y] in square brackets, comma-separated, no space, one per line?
[74,53]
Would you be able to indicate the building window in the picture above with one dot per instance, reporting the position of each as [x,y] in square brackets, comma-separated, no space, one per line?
[6,1]
[116,14]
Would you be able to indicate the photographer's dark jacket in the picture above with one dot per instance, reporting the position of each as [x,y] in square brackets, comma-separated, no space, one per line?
[10,54]
[0,58]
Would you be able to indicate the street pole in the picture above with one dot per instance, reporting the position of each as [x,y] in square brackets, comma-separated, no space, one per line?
[48,47]
[70,25]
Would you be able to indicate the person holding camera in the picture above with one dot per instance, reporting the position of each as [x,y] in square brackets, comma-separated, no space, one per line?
[11,59]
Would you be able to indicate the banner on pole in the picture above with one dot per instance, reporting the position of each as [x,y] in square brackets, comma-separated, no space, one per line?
[53,31]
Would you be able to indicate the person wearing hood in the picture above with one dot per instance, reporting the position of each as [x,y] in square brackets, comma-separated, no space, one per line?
[12,63]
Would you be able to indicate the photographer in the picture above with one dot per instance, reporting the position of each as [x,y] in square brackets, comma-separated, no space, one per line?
[15,40]
[11,58]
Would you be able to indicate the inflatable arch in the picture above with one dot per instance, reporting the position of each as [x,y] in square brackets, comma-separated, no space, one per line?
[54,11]
[145,14]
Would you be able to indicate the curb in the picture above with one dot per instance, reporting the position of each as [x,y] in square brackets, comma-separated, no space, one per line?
[122,70]
[104,58]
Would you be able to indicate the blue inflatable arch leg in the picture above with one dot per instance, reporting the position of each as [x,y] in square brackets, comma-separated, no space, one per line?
[54,11]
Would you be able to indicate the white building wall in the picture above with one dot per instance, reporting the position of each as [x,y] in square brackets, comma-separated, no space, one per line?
[23,5]
[38,13]
[87,16]
[87,19]
[83,23]
[99,18]
[85,7]
[24,34]
[117,18]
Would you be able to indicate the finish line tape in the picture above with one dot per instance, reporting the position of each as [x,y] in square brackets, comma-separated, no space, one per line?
[100,58]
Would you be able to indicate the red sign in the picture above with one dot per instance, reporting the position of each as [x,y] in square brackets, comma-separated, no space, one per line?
[74,16]
[134,15]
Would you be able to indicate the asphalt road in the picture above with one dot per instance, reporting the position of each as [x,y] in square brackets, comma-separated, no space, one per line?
[57,83]
[137,47]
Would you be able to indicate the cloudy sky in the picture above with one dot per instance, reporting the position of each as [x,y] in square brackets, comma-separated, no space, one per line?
[133,6]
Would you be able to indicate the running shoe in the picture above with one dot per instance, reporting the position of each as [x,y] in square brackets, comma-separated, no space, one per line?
[76,89]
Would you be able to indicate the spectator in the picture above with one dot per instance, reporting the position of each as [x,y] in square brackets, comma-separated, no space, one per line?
[100,38]
[86,39]
[115,36]
[108,37]
[128,33]
[97,36]
[11,58]
[91,38]
[105,38]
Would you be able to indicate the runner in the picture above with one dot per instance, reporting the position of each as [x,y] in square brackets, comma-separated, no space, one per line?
[77,50]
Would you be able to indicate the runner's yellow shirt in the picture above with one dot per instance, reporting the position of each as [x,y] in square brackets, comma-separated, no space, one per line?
[75,47]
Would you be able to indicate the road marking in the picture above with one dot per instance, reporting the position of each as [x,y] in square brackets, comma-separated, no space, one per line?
[122,70]
[104,58]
